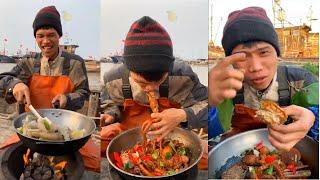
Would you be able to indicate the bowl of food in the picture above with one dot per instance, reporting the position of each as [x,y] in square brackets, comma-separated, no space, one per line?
[241,157]
[59,132]
[173,157]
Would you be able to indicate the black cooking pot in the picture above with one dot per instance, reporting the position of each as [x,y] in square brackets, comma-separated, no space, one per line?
[12,164]
[131,137]
[61,117]
[234,146]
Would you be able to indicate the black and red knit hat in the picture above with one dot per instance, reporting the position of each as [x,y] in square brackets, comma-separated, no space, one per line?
[47,16]
[249,24]
[148,47]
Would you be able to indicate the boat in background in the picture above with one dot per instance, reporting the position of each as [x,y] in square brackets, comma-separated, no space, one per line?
[6,59]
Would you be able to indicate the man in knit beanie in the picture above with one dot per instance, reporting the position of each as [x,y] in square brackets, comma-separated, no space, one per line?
[51,78]
[47,17]
[150,74]
[250,73]
[66,72]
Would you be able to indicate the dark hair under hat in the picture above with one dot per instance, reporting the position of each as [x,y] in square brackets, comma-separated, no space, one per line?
[249,24]
[47,17]
[148,47]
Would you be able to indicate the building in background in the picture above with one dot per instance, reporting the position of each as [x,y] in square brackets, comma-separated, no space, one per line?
[298,42]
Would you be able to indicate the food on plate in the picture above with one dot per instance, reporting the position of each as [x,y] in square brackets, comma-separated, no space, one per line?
[45,129]
[271,113]
[262,163]
[154,158]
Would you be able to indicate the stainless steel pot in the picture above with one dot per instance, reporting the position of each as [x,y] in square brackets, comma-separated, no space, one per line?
[237,144]
[131,137]
[60,117]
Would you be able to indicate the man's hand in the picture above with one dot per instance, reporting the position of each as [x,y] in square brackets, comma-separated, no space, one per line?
[106,119]
[62,100]
[225,81]
[21,93]
[284,137]
[167,121]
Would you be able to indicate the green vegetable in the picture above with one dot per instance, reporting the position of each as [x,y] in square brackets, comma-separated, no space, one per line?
[128,165]
[307,96]
[225,113]
[273,152]
[253,171]
[168,155]
[171,172]
[46,124]
[313,68]
[155,155]
[20,129]
[31,117]
[269,171]
[182,151]
[161,164]
[76,134]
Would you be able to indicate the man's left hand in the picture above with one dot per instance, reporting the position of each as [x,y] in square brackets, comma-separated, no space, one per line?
[62,100]
[167,121]
[284,137]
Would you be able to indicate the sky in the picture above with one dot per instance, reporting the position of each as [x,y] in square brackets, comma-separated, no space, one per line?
[296,12]
[185,20]
[99,26]
[81,24]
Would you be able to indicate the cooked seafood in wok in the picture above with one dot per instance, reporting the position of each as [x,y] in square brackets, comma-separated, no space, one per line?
[262,163]
[271,113]
[154,159]
[45,129]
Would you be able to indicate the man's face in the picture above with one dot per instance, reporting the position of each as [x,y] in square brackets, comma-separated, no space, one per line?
[48,42]
[147,86]
[260,64]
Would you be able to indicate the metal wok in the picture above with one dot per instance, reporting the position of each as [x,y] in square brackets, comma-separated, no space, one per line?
[233,146]
[61,117]
[131,137]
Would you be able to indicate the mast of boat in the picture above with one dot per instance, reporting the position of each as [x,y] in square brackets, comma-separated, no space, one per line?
[211,21]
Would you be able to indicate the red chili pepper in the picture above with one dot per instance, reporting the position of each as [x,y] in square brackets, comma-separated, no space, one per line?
[146,157]
[134,159]
[269,159]
[259,145]
[138,148]
[120,165]
[157,174]
[117,158]
[292,167]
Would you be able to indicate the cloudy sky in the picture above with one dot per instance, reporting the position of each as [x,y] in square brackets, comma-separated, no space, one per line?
[185,20]
[99,27]
[296,12]
[80,21]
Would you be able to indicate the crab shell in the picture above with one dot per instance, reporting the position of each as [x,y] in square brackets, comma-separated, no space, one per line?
[271,113]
